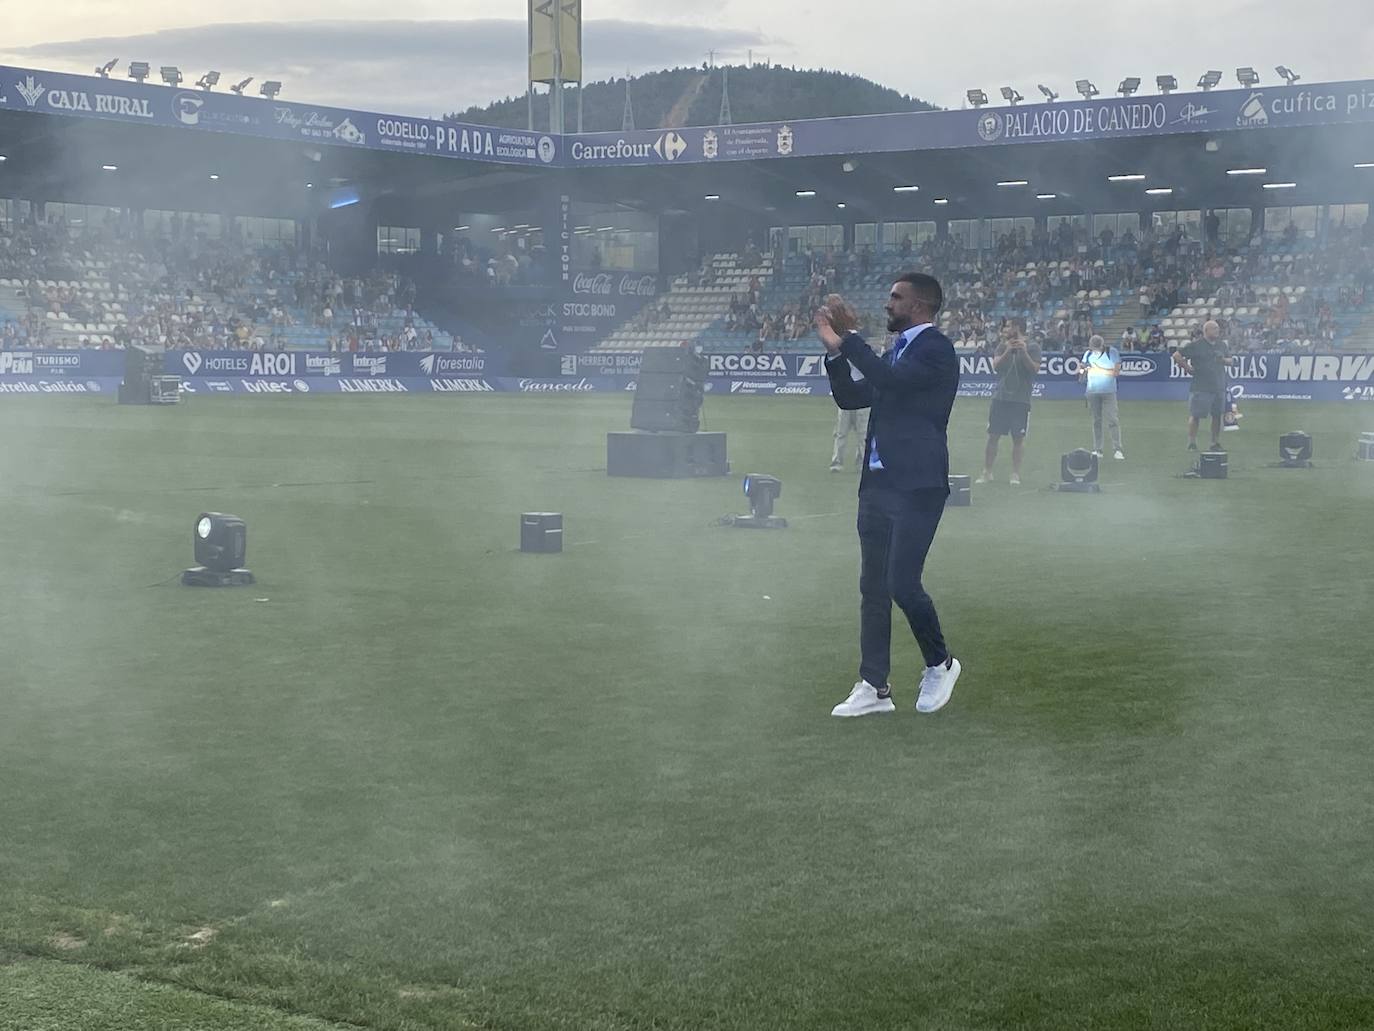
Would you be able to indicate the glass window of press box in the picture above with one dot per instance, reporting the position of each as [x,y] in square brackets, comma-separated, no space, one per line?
[1302,216]
[497,248]
[1165,222]
[613,238]
[13,212]
[78,217]
[398,240]
[171,225]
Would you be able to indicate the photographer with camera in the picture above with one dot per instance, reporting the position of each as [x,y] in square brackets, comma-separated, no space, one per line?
[1017,362]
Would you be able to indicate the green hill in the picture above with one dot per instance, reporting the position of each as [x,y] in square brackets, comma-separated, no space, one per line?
[691,96]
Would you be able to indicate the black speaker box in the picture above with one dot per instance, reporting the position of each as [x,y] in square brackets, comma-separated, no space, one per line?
[666,455]
[960,492]
[1211,465]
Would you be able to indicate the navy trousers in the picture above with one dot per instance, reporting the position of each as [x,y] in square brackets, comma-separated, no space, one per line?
[896,528]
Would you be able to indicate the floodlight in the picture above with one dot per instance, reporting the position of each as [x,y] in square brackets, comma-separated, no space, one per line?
[1129,86]
[105,69]
[208,81]
[1010,95]
[270,89]
[1086,89]
[761,491]
[221,545]
[171,74]
[1287,74]
[976,97]
[849,166]
[239,87]
[1247,77]
[1078,472]
[139,70]
[1166,84]
[1050,95]
[1295,450]
[1209,81]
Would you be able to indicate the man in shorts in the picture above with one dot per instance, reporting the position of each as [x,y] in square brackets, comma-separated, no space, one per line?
[1205,359]
[1017,362]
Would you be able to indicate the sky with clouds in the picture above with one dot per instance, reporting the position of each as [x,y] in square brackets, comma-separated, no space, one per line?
[426,57]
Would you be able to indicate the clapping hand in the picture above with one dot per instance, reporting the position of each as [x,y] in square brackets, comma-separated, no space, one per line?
[835,321]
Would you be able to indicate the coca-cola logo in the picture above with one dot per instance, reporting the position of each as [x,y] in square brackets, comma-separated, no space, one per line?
[641,286]
[597,284]
[602,283]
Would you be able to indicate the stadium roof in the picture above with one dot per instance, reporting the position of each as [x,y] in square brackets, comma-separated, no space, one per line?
[166,143]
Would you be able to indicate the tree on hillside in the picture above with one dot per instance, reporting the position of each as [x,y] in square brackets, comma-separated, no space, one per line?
[757,94]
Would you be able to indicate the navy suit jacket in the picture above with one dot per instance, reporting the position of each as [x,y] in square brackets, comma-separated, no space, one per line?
[910,402]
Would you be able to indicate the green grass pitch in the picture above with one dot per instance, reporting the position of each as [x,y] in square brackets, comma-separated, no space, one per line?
[415,779]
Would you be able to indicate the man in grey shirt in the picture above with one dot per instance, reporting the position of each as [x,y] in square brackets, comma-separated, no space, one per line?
[1017,362]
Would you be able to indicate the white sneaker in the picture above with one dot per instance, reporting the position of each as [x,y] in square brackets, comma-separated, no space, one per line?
[1097,454]
[863,701]
[1015,480]
[984,478]
[937,684]
[1120,455]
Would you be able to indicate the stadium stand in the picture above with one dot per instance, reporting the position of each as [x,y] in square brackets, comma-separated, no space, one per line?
[103,288]
[1281,295]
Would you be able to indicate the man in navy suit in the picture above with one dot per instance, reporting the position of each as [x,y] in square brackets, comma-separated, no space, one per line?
[905,481]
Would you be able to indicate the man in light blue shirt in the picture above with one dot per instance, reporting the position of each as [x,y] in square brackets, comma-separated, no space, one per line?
[1101,367]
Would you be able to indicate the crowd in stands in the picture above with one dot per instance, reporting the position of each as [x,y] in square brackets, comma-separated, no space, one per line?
[186,291]
[1286,292]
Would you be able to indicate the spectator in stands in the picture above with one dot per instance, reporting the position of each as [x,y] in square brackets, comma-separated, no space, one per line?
[1101,367]
[1129,340]
[1016,363]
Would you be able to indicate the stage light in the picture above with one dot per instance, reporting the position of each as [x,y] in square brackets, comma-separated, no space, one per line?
[806,193]
[1086,89]
[1126,177]
[1246,171]
[941,201]
[906,189]
[712,196]
[1078,472]
[1279,186]
[1166,84]
[1209,81]
[1295,450]
[976,97]
[1128,86]
[139,70]
[1050,95]
[270,89]
[1011,96]
[761,491]
[239,87]
[1159,191]
[1247,77]
[1014,182]
[1287,74]
[208,81]
[105,69]
[221,546]
[171,74]
[1046,196]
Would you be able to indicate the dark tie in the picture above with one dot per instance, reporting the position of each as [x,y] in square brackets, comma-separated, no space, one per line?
[898,346]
